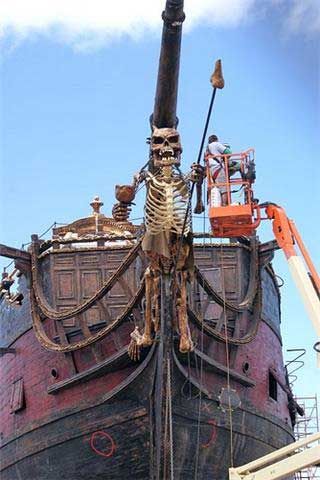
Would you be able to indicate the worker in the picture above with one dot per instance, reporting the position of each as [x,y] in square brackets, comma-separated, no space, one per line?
[217,165]
[217,148]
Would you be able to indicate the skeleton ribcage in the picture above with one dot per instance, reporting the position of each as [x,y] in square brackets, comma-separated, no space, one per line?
[166,206]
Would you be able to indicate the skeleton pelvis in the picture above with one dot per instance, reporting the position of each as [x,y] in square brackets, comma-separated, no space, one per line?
[158,265]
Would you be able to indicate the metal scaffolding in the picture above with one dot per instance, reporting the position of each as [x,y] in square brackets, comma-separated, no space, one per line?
[306,426]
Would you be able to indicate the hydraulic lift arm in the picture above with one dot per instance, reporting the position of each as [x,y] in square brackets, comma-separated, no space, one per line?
[281,463]
[231,218]
[306,279]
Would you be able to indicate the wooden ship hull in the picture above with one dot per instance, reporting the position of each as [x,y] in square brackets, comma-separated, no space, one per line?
[93,413]
[75,405]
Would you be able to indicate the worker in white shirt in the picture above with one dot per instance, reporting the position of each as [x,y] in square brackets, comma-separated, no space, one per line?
[217,164]
[217,148]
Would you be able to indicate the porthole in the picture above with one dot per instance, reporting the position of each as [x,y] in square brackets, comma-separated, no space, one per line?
[273,387]
[246,367]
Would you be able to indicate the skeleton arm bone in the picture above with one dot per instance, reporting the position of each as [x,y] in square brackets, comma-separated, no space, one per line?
[125,194]
[196,176]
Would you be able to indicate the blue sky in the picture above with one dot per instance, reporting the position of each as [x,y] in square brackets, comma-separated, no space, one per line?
[75,102]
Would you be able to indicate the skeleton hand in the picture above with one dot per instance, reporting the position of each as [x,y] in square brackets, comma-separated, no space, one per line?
[134,351]
[197,176]
[138,178]
[197,173]
[121,211]
[135,344]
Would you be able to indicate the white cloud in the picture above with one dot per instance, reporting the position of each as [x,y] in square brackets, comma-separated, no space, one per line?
[92,23]
[304,16]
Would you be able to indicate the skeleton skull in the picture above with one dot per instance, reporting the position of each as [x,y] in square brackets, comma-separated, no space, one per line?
[166,147]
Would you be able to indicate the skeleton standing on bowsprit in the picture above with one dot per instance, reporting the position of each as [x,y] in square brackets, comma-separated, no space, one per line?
[166,208]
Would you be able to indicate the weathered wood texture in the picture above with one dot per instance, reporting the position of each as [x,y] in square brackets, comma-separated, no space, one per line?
[49,436]
[113,440]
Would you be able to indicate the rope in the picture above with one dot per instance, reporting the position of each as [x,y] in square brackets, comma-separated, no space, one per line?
[187,382]
[227,358]
[201,374]
[199,410]
[168,426]
[54,224]
[48,229]
[247,302]
[46,309]
[47,343]
[234,341]
[166,423]
[214,295]
[7,266]
[170,420]
[193,185]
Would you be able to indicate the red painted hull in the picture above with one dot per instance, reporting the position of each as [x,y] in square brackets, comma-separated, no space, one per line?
[86,419]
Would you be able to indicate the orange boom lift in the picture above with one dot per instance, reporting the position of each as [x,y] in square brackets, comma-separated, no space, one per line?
[230,218]
[234,212]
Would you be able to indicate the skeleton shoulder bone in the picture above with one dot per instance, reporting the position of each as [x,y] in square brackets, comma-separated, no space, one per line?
[165,154]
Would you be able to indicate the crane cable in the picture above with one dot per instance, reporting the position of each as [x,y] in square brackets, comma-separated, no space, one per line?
[176,260]
[168,427]
[201,367]
[170,419]
[204,134]
[227,355]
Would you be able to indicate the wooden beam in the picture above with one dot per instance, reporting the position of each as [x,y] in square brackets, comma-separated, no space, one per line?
[14,253]
[22,259]
[4,350]
[212,365]
[111,364]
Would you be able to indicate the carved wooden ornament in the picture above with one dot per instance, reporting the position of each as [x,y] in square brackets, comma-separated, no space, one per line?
[216,79]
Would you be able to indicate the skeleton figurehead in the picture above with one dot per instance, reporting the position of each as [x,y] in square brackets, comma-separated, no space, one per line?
[165,147]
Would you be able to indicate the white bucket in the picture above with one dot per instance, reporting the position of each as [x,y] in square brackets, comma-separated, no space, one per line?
[215,197]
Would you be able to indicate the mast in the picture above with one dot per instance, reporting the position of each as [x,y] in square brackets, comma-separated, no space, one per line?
[165,116]
[165,105]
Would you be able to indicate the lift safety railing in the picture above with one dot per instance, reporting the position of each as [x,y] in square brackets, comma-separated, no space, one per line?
[228,175]
[237,219]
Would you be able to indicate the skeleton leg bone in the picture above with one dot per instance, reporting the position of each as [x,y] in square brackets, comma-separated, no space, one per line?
[144,340]
[146,337]
[186,344]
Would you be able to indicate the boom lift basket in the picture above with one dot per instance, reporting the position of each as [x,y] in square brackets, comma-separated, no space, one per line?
[228,175]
